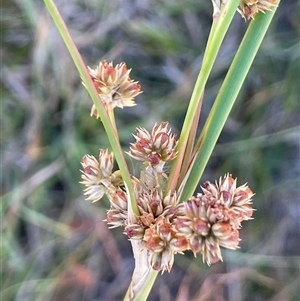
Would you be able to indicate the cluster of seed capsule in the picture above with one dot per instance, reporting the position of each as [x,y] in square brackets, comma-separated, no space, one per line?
[163,226]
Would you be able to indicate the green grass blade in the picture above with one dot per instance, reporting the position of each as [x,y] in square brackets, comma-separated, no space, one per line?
[217,33]
[108,126]
[226,98]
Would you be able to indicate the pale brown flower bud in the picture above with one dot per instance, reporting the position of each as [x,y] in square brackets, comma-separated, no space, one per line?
[96,175]
[196,243]
[170,200]
[249,8]
[156,261]
[211,251]
[156,148]
[153,241]
[115,218]
[167,261]
[201,226]
[162,261]
[147,219]
[184,225]
[106,161]
[163,241]
[179,243]
[134,231]
[222,229]
[151,201]
[231,241]
[114,85]
[118,200]
[212,219]
[228,195]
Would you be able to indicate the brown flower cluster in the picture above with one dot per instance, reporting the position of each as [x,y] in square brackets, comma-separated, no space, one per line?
[155,148]
[202,224]
[249,8]
[97,174]
[114,85]
[164,226]
[212,218]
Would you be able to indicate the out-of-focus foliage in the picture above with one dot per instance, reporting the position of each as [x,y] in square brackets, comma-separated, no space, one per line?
[54,244]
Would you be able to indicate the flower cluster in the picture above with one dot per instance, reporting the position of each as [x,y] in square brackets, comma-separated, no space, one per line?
[248,8]
[114,85]
[154,149]
[97,175]
[164,227]
[213,218]
[202,224]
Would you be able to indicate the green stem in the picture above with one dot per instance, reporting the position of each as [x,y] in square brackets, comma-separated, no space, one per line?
[226,98]
[190,144]
[143,293]
[108,126]
[217,33]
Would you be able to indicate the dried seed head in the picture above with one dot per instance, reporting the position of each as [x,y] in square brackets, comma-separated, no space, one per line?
[135,231]
[162,261]
[151,202]
[106,161]
[156,148]
[114,85]
[118,200]
[116,218]
[163,241]
[152,205]
[155,226]
[249,8]
[212,219]
[96,175]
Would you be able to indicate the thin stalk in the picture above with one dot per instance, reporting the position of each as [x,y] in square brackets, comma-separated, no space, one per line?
[226,98]
[190,143]
[216,36]
[108,126]
[142,294]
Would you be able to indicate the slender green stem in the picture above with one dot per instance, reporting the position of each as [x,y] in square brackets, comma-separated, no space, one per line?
[143,294]
[108,126]
[226,98]
[218,31]
[190,144]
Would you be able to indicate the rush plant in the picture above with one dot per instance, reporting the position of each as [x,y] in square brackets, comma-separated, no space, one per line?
[156,209]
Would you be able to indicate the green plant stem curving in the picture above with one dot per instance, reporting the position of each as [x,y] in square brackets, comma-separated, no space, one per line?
[216,36]
[143,293]
[226,98]
[108,126]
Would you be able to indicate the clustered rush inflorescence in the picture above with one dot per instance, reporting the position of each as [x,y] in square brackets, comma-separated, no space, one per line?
[114,86]
[164,226]
[154,149]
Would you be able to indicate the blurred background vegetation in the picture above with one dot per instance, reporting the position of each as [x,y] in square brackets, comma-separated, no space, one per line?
[54,244]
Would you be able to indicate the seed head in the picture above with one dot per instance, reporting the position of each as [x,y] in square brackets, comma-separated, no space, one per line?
[156,148]
[116,218]
[212,219]
[249,8]
[163,241]
[96,174]
[114,85]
